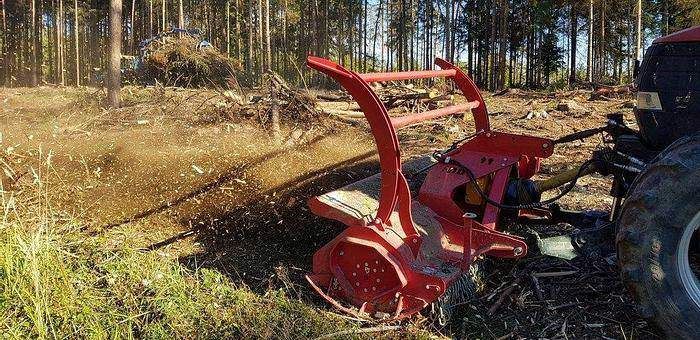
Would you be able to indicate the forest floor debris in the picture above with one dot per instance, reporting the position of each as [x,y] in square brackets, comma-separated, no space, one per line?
[233,198]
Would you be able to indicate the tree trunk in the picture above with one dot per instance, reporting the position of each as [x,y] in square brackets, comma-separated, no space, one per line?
[382,16]
[376,32]
[574,34]
[76,27]
[163,16]
[35,45]
[503,45]
[115,54]
[238,31]
[261,56]
[132,27]
[228,28]
[492,47]
[590,42]
[150,18]
[364,38]
[249,64]
[5,36]
[326,34]
[639,29]
[268,49]
[284,34]
[351,28]
[448,26]
[61,47]
[602,55]
[470,51]
[181,16]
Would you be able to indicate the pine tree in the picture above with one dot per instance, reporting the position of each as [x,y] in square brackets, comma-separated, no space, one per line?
[115,31]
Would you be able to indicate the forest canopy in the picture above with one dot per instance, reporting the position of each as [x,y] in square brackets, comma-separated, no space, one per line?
[501,43]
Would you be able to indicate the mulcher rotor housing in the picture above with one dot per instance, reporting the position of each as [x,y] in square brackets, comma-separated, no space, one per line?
[400,252]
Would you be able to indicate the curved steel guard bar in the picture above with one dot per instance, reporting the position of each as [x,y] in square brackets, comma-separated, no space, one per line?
[471,92]
[382,126]
[384,134]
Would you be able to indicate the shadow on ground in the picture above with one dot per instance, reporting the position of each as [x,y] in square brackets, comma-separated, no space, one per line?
[270,243]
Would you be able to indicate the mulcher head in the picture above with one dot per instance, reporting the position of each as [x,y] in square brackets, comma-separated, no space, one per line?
[399,254]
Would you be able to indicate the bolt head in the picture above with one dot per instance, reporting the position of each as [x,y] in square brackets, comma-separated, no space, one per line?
[517,251]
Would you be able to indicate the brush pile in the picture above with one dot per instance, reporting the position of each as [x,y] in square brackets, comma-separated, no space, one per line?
[185,62]
[276,101]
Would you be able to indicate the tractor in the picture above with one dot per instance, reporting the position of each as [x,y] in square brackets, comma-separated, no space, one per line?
[414,230]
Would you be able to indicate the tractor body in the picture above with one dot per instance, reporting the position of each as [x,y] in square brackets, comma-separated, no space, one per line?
[669,89]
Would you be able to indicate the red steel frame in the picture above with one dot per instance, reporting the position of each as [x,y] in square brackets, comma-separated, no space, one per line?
[411,281]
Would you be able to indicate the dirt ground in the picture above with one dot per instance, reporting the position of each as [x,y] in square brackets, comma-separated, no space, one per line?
[200,177]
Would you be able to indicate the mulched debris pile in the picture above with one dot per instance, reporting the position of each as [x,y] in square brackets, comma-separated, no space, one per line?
[184,62]
[547,297]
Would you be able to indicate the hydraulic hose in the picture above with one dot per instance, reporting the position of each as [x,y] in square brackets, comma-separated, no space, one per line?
[582,171]
[563,178]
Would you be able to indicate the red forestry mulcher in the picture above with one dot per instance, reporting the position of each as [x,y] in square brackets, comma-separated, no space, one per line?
[415,229]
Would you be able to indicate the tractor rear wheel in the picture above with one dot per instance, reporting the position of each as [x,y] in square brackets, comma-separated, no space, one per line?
[658,241]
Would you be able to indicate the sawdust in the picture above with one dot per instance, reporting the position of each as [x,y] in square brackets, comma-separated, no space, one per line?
[110,175]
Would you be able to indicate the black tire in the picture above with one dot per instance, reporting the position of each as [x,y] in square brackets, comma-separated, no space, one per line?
[661,204]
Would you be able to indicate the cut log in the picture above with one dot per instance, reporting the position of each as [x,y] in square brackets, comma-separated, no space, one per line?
[345,113]
[570,106]
[338,105]
[330,97]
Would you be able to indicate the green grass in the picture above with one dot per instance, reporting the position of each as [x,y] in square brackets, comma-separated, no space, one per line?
[56,281]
